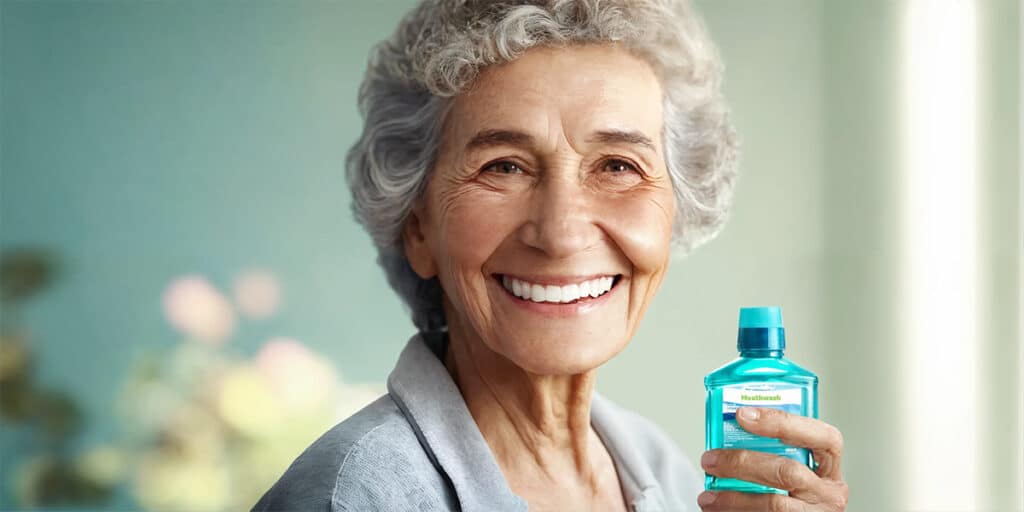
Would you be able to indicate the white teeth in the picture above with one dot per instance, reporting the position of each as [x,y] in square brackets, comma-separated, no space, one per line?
[557,294]
[537,294]
[569,292]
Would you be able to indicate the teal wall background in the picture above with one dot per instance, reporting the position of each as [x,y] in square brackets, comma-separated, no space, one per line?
[145,140]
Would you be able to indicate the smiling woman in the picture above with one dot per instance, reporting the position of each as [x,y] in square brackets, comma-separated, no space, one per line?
[527,170]
[576,209]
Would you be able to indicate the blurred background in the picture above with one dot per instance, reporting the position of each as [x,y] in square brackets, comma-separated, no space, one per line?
[187,302]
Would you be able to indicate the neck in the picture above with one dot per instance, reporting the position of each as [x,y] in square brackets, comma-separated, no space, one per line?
[537,426]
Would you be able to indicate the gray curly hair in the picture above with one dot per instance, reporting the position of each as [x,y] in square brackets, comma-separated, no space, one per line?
[440,47]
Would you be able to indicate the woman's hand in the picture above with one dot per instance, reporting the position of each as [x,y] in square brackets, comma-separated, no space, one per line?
[819,490]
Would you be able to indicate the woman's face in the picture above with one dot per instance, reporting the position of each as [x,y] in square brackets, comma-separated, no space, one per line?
[549,188]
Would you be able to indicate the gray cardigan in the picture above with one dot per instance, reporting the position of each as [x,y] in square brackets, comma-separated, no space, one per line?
[417,448]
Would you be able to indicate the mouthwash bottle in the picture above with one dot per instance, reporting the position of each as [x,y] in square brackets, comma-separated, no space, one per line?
[760,377]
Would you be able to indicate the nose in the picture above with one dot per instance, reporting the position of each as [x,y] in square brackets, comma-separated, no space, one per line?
[560,222]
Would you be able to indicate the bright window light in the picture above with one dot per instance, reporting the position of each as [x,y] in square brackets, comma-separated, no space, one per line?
[940,346]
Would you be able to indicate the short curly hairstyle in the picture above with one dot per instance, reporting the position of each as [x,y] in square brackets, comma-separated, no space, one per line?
[441,46]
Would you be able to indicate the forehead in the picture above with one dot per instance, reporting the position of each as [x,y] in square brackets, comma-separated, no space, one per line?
[579,89]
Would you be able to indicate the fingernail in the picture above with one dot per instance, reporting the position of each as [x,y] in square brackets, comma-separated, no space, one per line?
[706,498]
[709,459]
[750,413]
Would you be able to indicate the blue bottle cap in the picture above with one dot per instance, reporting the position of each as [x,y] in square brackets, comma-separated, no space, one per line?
[761,317]
[761,329]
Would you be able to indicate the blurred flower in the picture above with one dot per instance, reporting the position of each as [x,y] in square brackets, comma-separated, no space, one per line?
[196,308]
[257,293]
[192,364]
[147,404]
[103,464]
[301,379]
[195,432]
[169,482]
[218,431]
[247,403]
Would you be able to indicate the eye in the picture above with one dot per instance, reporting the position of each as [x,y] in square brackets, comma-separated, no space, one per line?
[504,167]
[620,166]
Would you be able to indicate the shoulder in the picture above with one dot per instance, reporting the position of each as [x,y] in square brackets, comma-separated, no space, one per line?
[370,461]
[677,475]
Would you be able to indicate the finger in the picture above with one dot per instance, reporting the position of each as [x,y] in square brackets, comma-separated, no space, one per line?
[824,440]
[765,469]
[790,428]
[744,502]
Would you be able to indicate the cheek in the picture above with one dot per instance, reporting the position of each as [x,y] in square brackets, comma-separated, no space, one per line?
[641,226]
[471,225]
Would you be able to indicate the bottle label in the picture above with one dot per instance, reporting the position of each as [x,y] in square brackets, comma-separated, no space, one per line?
[783,398]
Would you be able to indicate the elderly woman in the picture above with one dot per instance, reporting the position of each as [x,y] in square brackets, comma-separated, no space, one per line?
[526,171]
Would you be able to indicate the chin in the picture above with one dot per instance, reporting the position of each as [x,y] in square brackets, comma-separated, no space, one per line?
[548,354]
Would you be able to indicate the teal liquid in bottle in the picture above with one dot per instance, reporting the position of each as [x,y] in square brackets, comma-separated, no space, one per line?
[760,377]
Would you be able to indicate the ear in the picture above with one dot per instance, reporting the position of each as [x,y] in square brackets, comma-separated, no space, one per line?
[417,250]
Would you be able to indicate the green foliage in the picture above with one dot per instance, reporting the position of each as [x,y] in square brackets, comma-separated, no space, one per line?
[24,272]
[51,415]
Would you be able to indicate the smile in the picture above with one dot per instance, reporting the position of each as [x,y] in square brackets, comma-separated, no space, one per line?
[555,294]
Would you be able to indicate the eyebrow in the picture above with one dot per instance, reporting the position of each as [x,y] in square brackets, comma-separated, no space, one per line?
[623,137]
[490,138]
